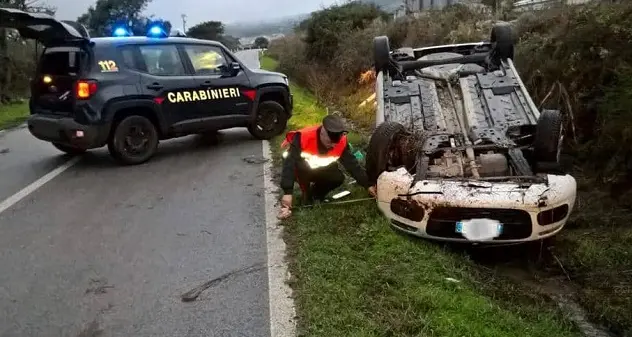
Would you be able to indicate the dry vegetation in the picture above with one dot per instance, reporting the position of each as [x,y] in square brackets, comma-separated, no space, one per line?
[576,58]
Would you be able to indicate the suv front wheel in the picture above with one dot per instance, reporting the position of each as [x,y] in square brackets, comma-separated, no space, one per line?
[270,121]
[134,141]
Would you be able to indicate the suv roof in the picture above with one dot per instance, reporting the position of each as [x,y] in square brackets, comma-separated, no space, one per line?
[105,41]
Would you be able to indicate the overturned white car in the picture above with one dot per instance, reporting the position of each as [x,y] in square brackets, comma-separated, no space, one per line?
[460,151]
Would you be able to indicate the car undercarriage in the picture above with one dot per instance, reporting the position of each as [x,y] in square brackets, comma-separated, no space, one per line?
[459,139]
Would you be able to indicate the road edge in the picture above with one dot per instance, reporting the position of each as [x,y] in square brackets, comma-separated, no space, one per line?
[34,186]
[282,309]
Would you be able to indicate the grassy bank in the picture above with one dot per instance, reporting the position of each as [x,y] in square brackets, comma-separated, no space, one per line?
[354,276]
[13,114]
[588,79]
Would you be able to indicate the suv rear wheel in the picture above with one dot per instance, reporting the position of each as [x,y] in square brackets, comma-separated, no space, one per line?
[270,121]
[549,137]
[69,149]
[134,141]
[378,153]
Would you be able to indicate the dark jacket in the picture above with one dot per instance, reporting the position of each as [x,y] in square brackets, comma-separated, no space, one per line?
[294,160]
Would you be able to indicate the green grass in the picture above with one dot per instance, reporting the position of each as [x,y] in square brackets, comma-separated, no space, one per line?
[596,251]
[13,114]
[354,276]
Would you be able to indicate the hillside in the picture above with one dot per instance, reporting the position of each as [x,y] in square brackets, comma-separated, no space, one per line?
[283,25]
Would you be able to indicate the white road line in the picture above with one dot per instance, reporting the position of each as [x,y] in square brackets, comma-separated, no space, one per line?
[14,199]
[282,311]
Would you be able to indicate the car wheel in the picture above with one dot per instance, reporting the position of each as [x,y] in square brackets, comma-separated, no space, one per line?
[134,141]
[381,52]
[270,121]
[69,149]
[549,137]
[502,42]
[378,152]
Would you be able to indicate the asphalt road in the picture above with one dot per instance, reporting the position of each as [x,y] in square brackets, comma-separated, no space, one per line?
[104,250]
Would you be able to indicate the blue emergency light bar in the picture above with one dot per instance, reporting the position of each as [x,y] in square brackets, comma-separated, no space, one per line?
[156,31]
[120,32]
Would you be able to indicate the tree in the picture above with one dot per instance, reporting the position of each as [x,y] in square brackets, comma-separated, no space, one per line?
[261,42]
[209,30]
[6,63]
[102,18]
[230,41]
[213,30]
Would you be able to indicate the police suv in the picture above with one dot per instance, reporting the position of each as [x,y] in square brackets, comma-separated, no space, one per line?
[131,92]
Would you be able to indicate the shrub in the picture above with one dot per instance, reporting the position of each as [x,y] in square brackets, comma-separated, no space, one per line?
[324,29]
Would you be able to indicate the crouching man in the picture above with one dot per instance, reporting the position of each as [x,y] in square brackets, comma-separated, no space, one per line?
[311,158]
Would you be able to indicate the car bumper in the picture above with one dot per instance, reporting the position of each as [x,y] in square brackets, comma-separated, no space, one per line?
[65,130]
[432,208]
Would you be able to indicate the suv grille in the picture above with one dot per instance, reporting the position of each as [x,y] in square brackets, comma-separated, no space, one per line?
[442,222]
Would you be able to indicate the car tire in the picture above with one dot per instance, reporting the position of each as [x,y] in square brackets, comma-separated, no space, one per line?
[69,149]
[377,157]
[548,140]
[502,42]
[381,53]
[143,131]
[270,120]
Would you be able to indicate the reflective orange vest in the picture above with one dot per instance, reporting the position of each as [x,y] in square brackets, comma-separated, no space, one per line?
[309,147]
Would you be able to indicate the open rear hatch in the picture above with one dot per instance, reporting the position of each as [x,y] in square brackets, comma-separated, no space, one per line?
[60,64]
[52,89]
[42,27]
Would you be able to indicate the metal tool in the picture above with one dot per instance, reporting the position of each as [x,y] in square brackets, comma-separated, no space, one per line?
[337,202]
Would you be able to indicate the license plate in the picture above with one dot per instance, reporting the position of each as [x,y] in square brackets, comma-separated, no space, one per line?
[459,227]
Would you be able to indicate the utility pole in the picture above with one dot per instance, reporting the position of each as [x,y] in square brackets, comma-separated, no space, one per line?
[184,22]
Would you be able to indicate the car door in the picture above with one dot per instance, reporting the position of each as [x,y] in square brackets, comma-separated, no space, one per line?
[221,78]
[165,79]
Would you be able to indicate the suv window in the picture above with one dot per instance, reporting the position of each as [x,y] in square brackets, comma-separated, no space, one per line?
[206,60]
[162,60]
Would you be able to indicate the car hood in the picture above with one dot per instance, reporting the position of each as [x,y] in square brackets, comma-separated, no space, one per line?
[265,72]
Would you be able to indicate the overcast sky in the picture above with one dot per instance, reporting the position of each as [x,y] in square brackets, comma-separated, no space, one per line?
[200,10]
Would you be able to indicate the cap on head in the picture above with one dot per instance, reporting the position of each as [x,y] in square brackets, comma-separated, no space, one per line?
[334,124]
[335,127]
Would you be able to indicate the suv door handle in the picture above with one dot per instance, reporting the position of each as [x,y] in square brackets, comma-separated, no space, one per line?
[155,86]
[206,83]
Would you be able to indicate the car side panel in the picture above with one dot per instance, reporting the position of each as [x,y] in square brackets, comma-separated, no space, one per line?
[276,89]
[141,103]
[113,83]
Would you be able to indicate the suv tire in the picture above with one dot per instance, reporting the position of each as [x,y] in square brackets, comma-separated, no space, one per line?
[381,53]
[502,42]
[69,149]
[134,140]
[548,137]
[377,157]
[270,120]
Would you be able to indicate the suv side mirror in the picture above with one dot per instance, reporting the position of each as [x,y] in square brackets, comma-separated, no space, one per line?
[232,69]
[235,67]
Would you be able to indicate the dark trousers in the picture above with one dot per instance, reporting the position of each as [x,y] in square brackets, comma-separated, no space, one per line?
[318,183]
